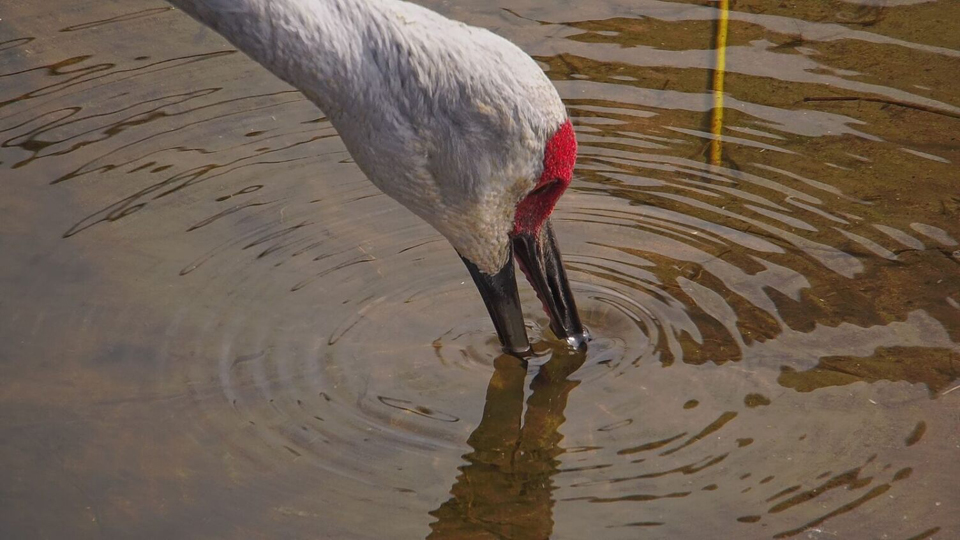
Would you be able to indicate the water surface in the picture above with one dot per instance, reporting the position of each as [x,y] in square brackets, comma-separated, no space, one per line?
[213,326]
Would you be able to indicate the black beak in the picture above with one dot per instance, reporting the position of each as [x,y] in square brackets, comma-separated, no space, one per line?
[499,292]
[539,258]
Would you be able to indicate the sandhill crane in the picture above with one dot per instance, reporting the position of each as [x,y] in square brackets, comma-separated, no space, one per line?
[454,122]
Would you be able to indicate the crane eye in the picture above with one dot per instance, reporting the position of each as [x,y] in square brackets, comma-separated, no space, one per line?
[536,207]
[542,188]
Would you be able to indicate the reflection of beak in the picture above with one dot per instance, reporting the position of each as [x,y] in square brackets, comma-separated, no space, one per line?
[539,258]
[507,483]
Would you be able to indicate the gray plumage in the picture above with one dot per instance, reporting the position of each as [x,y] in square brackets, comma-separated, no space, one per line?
[448,119]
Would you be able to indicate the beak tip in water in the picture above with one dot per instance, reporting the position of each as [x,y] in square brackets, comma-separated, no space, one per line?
[522,354]
[578,341]
[539,257]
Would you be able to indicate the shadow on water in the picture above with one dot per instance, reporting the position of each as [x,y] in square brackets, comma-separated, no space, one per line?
[506,489]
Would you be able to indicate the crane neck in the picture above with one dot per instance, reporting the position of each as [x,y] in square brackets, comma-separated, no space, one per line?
[317,46]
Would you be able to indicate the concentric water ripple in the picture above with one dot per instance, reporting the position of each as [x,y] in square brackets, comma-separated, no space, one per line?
[213,326]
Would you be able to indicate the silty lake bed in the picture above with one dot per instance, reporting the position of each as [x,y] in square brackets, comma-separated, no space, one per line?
[213,326]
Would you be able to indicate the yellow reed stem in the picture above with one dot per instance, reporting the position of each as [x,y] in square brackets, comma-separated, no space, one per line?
[716,121]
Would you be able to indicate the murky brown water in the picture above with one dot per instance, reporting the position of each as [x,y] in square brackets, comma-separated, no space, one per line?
[212,326]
